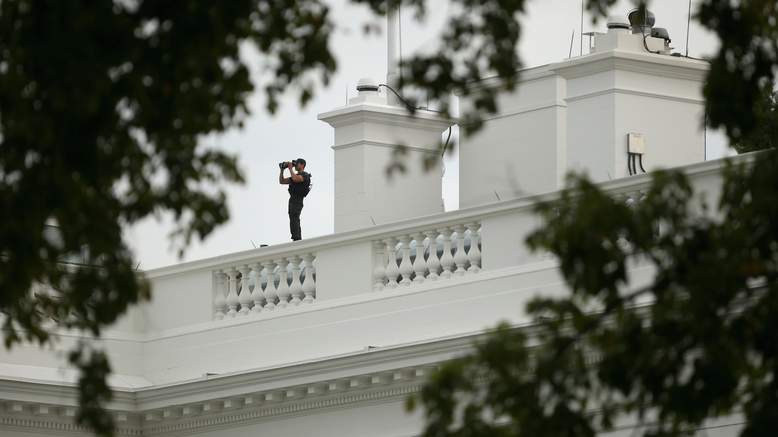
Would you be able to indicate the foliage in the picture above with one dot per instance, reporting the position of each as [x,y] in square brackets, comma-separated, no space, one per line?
[103,104]
[697,341]
[765,133]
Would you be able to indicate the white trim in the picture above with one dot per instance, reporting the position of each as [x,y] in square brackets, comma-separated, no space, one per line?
[374,143]
[628,91]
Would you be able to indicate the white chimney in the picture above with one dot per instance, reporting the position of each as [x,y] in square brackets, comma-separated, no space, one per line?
[577,115]
[367,134]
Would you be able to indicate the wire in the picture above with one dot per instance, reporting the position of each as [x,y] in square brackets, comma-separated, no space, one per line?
[629,164]
[400,38]
[445,145]
[640,161]
[405,102]
[643,31]
[416,108]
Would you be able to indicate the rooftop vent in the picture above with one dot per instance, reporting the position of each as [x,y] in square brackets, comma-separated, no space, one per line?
[367,84]
[617,22]
[641,22]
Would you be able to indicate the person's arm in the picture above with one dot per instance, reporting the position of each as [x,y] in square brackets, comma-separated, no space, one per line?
[281,179]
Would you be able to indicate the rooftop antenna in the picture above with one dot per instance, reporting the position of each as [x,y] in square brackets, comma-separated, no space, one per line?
[392,49]
[582,19]
[688,25]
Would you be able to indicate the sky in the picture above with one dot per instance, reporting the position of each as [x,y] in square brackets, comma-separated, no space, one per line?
[258,209]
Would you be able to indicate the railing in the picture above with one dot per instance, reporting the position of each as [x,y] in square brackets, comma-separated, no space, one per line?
[405,255]
[264,285]
[426,255]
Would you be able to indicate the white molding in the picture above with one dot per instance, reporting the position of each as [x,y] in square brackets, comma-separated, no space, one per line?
[375,143]
[393,115]
[216,411]
[645,63]
[634,92]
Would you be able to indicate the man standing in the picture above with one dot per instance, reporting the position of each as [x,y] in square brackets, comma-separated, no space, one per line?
[299,185]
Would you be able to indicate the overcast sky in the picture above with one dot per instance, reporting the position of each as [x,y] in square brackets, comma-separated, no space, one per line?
[258,208]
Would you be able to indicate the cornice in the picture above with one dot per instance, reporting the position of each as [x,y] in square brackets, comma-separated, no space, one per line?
[396,116]
[646,63]
[188,417]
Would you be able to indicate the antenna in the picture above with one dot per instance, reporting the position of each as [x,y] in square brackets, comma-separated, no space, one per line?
[392,48]
[582,19]
[688,25]
[572,36]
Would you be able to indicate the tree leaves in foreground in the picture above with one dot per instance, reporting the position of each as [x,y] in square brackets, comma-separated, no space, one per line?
[103,106]
[697,342]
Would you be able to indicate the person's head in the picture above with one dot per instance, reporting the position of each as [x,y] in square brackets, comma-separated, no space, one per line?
[300,165]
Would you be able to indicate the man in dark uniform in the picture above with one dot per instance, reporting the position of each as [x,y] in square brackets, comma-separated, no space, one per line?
[299,184]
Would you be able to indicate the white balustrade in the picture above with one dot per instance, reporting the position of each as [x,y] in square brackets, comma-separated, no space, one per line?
[256,294]
[427,255]
[433,262]
[446,260]
[392,270]
[419,264]
[474,254]
[232,296]
[295,288]
[244,297]
[309,284]
[284,293]
[270,288]
[406,268]
[460,257]
[258,287]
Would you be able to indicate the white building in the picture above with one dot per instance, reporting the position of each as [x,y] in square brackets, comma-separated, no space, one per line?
[327,336]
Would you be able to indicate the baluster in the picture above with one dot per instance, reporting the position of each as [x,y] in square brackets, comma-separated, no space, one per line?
[392,270]
[406,268]
[244,296]
[219,301]
[379,271]
[309,284]
[474,254]
[419,264]
[433,263]
[256,293]
[283,284]
[460,257]
[270,288]
[296,288]
[446,260]
[232,296]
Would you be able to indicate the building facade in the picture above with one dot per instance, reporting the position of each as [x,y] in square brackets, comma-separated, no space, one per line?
[328,336]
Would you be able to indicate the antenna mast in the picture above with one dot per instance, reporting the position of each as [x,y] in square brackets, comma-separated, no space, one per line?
[392,50]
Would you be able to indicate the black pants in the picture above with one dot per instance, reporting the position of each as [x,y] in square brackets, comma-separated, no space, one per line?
[295,208]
